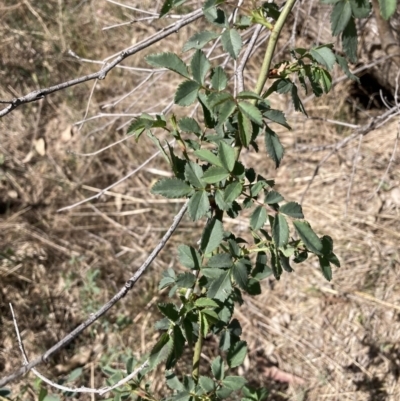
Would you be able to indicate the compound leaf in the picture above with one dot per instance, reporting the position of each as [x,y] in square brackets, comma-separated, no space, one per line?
[171,188]
[308,236]
[186,93]
[236,354]
[199,40]
[258,218]
[292,209]
[212,236]
[280,231]
[215,174]
[387,7]
[232,42]
[324,55]
[200,66]
[218,79]
[251,112]
[170,61]
[340,17]
[198,205]
[189,257]
[274,146]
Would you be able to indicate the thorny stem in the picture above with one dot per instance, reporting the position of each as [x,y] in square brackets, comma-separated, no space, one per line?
[262,78]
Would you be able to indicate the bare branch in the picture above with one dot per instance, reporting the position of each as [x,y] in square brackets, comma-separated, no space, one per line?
[95,316]
[102,73]
[240,68]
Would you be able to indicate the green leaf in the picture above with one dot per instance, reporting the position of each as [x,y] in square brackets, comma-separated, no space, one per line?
[205,303]
[252,394]
[292,209]
[324,55]
[276,265]
[221,287]
[325,267]
[340,17]
[185,280]
[258,218]
[215,15]
[170,61]
[226,155]
[251,112]
[232,42]
[168,279]
[225,111]
[215,174]
[232,191]
[325,80]
[274,147]
[212,273]
[234,382]
[186,93]
[249,95]
[273,197]
[216,98]
[207,384]
[209,120]
[178,347]
[172,381]
[168,5]
[74,375]
[387,7]
[360,8]
[220,260]
[199,40]
[171,188]
[308,236]
[212,236]
[189,257]
[169,311]
[208,156]
[281,86]
[298,105]
[200,66]
[218,79]
[198,205]
[350,41]
[236,354]
[189,124]
[218,368]
[194,174]
[285,263]
[257,187]
[261,270]
[240,273]
[210,315]
[344,66]
[277,116]
[280,231]
[161,350]
[245,130]
[5,392]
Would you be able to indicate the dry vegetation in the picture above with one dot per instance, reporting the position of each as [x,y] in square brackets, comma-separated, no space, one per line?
[339,339]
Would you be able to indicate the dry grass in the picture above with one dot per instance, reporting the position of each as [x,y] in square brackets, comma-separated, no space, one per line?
[341,338]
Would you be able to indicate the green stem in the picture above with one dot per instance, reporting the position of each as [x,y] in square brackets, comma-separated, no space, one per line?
[262,78]
[197,352]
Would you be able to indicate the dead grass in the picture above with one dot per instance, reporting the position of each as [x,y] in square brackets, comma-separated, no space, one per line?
[341,338]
